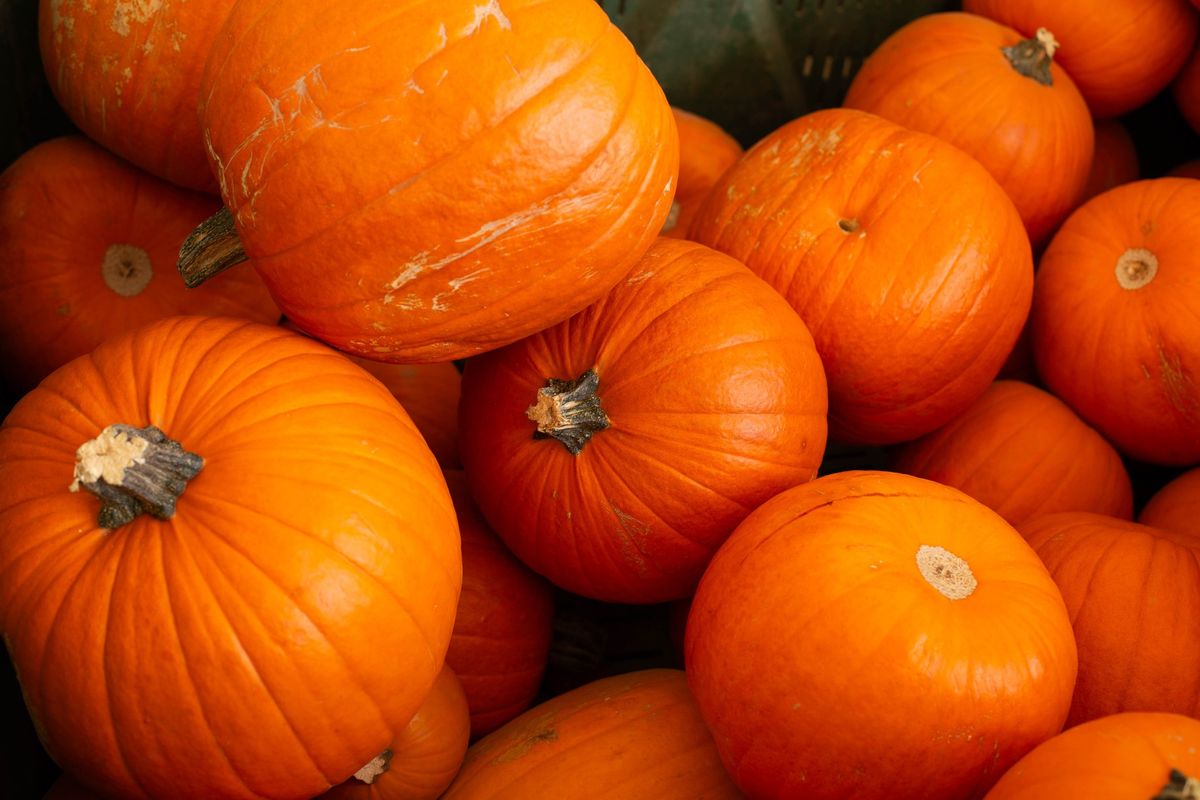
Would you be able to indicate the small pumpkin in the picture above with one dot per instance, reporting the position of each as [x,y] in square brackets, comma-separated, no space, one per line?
[1176,506]
[705,152]
[1186,90]
[1115,160]
[999,97]
[909,616]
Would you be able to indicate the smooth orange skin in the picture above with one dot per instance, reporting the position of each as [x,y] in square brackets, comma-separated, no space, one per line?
[1119,757]
[261,641]
[1118,55]
[1126,584]
[63,203]
[1022,452]
[944,74]
[426,753]
[1114,161]
[716,400]
[422,183]
[636,735]
[128,74]
[1176,506]
[1126,360]
[504,623]
[1186,90]
[430,394]
[705,152]
[915,312]
[826,666]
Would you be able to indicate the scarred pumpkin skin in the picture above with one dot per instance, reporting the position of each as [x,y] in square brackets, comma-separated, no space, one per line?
[1115,302]
[1186,90]
[128,74]
[902,255]
[876,635]
[1115,160]
[261,641]
[712,399]
[1125,583]
[636,735]
[424,182]
[945,74]
[1176,506]
[705,152]
[90,243]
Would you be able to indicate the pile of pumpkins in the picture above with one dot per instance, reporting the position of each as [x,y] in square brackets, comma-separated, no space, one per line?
[260,539]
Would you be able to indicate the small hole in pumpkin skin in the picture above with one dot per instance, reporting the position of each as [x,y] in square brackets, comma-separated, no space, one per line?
[848,225]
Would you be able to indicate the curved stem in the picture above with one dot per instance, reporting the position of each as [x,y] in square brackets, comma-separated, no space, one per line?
[1179,787]
[569,411]
[378,765]
[1032,57]
[212,248]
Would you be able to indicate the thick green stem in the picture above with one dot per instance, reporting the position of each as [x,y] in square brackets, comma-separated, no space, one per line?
[569,411]
[1032,57]
[213,247]
[1179,787]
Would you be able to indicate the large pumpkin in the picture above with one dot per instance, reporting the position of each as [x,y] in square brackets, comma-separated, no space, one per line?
[902,255]
[636,735]
[1001,98]
[1176,506]
[705,152]
[422,182]
[1133,593]
[613,453]
[90,243]
[257,635]
[1114,161]
[430,394]
[874,635]
[1114,312]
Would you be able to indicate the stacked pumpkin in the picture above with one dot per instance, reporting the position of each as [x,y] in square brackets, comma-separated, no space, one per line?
[244,559]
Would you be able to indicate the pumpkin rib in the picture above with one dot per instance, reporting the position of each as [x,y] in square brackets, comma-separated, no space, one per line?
[644,559]
[623,380]
[649,455]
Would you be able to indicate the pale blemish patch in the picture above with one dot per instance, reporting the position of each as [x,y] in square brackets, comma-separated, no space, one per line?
[127,13]
[917,174]
[438,302]
[639,277]
[413,86]
[489,10]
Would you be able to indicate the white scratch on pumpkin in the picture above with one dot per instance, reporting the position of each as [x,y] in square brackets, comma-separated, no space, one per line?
[437,303]
[137,12]
[490,10]
[920,169]
[413,86]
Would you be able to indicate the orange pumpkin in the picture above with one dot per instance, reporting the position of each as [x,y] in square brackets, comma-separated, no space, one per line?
[1114,162]
[905,259]
[504,622]
[614,452]
[128,74]
[909,616]
[1002,99]
[66,788]
[1022,452]
[90,247]
[1176,506]
[1186,90]
[425,755]
[636,735]
[1113,318]
[256,636]
[1119,54]
[1133,593]
[430,394]
[424,182]
[705,152]
[1123,756]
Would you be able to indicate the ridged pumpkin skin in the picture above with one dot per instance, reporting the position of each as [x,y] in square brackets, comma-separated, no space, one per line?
[1119,757]
[827,665]
[1114,310]
[1126,583]
[902,255]
[1114,161]
[636,735]
[705,152]
[504,623]
[945,74]
[1119,54]
[425,755]
[715,400]
[422,182]
[260,642]
[430,394]
[128,74]
[1186,90]
[90,244]
[1176,506]
[1022,452]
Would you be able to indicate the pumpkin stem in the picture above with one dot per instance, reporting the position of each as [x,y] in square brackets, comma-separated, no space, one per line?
[374,768]
[1136,267]
[1179,787]
[134,471]
[946,572]
[1032,57]
[569,411]
[213,247]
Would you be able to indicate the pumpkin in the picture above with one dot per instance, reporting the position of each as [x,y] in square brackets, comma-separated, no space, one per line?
[1115,160]
[1119,55]
[1186,90]
[871,634]
[66,788]
[903,256]
[425,755]
[1188,169]
[1176,506]
[1022,452]
[259,567]
[633,735]
[424,182]
[1002,99]
[1113,311]
[1126,583]
[90,243]
[705,152]
[614,452]
[1122,756]
[504,623]
[128,74]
